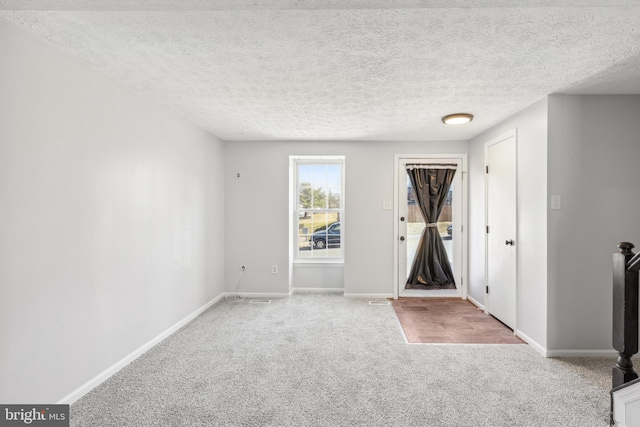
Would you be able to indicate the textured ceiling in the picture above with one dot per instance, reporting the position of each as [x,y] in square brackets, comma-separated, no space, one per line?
[346,70]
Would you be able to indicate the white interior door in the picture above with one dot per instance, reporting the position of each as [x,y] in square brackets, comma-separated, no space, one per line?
[500,156]
[411,224]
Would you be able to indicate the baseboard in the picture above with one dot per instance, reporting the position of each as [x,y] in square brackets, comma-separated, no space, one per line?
[259,294]
[475,302]
[565,353]
[582,353]
[113,369]
[317,290]
[532,343]
[351,295]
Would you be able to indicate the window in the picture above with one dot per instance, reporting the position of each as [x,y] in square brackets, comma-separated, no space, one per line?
[319,202]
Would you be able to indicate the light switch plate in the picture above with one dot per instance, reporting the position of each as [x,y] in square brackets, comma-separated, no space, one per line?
[387,205]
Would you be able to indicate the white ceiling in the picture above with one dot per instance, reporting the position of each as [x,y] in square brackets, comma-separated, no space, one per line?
[346,70]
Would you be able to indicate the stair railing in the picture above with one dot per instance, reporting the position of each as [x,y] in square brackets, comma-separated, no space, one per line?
[626,265]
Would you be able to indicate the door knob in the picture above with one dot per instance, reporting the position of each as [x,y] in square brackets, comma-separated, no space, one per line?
[509,242]
[401,218]
[402,238]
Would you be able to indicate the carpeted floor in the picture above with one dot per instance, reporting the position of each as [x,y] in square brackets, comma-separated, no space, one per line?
[326,360]
[449,320]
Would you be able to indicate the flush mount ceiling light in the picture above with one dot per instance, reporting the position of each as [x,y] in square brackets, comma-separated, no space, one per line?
[457,119]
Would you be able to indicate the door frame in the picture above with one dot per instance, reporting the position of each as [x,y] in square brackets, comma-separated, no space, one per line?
[462,158]
[513,133]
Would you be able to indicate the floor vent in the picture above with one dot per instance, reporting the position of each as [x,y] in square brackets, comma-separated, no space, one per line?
[260,301]
[379,303]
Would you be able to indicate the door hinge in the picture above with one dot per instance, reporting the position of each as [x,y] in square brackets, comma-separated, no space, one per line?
[487,228]
[486,169]
[487,290]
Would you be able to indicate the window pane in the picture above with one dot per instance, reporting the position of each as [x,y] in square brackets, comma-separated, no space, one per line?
[320,236]
[445,223]
[333,198]
[320,175]
[319,197]
[305,173]
[319,188]
[334,175]
[304,195]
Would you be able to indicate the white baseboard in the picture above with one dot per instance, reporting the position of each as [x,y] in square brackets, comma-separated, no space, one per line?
[259,294]
[366,296]
[565,353]
[316,290]
[475,302]
[582,353]
[532,343]
[113,369]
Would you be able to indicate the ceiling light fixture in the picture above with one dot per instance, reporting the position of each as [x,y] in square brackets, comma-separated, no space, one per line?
[457,119]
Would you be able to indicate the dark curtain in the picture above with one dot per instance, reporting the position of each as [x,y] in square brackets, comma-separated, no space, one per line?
[431,267]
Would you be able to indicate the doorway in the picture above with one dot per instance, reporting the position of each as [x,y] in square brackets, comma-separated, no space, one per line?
[501,239]
[410,225]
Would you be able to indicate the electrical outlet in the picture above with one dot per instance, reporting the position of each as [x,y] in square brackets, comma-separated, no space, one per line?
[274,269]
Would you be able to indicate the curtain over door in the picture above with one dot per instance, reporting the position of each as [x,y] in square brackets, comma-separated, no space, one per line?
[431,266]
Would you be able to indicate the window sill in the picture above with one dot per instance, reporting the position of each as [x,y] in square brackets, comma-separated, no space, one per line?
[329,263]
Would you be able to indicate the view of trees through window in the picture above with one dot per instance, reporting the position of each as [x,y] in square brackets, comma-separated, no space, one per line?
[319,197]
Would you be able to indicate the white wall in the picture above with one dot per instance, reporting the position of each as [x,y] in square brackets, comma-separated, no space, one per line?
[317,277]
[594,165]
[257,211]
[531,125]
[585,149]
[111,220]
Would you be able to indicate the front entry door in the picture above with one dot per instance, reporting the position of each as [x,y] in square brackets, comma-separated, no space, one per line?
[410,226]
[500,158]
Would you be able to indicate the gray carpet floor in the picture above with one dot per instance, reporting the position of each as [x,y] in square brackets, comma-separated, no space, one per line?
[326,360]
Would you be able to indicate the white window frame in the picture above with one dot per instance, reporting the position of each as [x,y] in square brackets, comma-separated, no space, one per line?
[295,162]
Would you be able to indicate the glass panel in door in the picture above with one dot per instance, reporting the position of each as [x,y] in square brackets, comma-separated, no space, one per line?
[416,224]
